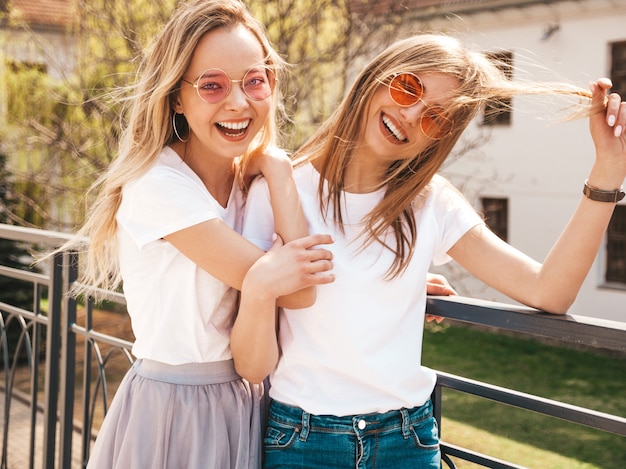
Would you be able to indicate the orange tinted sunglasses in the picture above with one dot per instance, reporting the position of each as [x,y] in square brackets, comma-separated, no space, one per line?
[406,89]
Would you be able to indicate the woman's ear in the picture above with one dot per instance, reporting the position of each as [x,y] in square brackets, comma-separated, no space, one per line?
[177,104]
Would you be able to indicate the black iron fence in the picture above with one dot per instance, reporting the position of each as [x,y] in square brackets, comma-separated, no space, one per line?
[59,367]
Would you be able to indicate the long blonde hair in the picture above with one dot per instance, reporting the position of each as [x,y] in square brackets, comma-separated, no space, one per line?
[149,126]
[334,144]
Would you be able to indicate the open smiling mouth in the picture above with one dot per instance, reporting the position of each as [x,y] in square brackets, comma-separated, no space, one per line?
[392,129]
[233,129]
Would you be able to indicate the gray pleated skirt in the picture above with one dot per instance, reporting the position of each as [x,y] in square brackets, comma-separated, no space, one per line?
[197,415]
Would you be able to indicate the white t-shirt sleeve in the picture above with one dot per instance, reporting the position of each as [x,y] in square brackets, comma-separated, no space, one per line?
[455,217]
[258,222]
[162,202]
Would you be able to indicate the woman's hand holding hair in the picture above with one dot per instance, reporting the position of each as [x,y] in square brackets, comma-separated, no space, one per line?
[608,131]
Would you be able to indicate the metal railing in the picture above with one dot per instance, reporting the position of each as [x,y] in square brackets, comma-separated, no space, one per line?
[52,321]
[579,330]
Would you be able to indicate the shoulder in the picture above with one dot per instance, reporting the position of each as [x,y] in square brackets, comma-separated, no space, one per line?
[306,176]
[440,183]
[441,194]
[167,170]
[441,186]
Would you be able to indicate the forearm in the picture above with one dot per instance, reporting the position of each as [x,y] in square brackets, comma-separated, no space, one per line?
[289,221]
[568,263]
[253,340]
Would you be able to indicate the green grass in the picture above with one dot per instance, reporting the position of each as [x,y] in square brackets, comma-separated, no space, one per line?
[588,379]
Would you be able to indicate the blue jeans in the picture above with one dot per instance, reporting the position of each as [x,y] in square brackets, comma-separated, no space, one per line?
[405,438]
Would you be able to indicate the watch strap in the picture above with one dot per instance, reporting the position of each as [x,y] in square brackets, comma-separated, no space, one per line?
[598,195]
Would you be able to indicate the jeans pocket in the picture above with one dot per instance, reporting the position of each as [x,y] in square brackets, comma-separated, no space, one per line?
[426,434]
[279,435]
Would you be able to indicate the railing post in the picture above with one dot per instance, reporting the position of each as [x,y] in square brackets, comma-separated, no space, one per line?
[436,400]
[68,364]
[38,329]
[87,416]
[5,422]
[53,348]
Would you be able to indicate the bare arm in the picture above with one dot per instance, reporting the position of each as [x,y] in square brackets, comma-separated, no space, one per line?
[289,221]
[553,285]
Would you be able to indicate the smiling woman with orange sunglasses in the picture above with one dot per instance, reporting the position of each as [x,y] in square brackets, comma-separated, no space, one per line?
[348,389]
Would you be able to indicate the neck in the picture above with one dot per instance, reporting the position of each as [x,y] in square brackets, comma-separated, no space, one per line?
[217,174]
[363,174]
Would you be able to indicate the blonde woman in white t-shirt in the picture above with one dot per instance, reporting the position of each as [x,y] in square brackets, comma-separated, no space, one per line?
[348,389]
[166,224]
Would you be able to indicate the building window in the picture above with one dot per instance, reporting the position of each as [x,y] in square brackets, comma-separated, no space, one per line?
[496,213]
[618,67]
[616,247]
[498,111]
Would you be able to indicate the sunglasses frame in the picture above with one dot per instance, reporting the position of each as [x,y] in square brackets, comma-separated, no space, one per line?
[270,74]
[429,112]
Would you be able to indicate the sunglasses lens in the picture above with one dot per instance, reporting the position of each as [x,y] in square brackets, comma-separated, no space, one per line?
[258,83]
[435,123]
[406,89]
[213,85]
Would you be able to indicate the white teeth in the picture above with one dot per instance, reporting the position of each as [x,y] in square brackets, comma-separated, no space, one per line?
[394,130]
[234,125]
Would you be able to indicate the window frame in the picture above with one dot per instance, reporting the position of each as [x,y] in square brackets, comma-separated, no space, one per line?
[615,249]
[618,67]
[499,111]
[495,211]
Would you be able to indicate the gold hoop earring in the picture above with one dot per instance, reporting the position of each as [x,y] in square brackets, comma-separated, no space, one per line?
[176,130]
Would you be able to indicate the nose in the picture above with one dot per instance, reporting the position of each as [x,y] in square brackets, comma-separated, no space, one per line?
[236,98]
[413,114]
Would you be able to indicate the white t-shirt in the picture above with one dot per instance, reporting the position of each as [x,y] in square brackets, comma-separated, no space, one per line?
[358,348]
[179,312]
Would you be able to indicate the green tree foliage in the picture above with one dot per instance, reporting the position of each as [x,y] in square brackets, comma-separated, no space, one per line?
[61,133]
[312,36]
[323,40]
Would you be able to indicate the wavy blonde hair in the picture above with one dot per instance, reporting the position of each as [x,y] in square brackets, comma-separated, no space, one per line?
[336,141]
[149,126]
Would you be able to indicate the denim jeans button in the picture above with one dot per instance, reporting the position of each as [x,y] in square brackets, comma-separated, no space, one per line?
[362,424]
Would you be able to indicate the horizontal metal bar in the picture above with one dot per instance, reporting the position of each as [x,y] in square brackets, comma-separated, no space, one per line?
[29,315]
[568,412]
[25,275]
[102,294]
[33,235]
[582,330]
[100,337]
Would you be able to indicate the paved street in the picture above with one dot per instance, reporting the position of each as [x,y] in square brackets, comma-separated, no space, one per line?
[19,437]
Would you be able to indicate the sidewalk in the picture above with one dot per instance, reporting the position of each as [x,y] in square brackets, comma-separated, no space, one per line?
[18,443]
